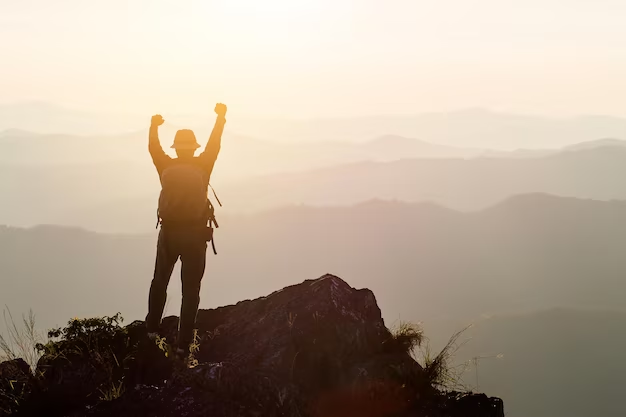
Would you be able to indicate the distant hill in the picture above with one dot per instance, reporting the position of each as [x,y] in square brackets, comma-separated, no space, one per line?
[464,128]
[21,147]
[424,262]
[477,128]
[555,363]
[606,142]
[56,270]
[538,153]
[250,156]
[596,172]
[49,118]
[246,157]
[120,196]
[393,147]
[67,179]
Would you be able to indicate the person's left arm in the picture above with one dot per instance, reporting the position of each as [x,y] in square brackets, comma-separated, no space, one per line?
[209,156]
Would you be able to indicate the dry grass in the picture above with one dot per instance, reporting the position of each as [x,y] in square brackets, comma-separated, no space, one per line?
[440,369]
[405,338]
[20,339]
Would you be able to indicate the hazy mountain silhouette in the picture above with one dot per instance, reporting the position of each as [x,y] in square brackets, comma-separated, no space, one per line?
[44,117]
[245,156]
[460,184]
[424,261]
[538,153]
[121,196]
[465,128]
[29,148]
[470,127]
[252,156]
[38,194]
[596,144]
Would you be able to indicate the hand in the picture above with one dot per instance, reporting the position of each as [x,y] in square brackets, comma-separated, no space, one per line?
[157,120]
[220,109]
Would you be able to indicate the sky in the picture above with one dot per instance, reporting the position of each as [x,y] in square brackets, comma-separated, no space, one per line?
[316,58]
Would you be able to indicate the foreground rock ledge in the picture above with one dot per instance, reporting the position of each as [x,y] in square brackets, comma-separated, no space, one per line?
[319,349]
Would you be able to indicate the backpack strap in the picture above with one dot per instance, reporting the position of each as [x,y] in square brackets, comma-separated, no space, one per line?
[213,245]
[159,221]
[216,198]
[213,221]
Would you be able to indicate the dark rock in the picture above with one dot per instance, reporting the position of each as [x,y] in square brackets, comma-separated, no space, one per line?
[474,405]
[319,348]
[303,343]
[16,384]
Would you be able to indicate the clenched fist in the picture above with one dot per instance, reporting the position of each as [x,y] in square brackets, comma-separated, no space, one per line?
[220,109]
[157,120]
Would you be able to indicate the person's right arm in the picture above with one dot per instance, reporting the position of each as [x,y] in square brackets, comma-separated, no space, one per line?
[159,157]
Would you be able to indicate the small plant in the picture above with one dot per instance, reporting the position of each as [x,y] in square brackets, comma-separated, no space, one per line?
[161,343]
[21,340]
[439,369]
[194,347]
[113,392]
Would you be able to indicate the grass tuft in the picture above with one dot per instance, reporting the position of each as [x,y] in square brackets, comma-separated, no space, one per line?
[405,337]
[113,392]
[21,339]
[440,370]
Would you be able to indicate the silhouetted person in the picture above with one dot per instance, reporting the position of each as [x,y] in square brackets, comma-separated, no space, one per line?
[184,211]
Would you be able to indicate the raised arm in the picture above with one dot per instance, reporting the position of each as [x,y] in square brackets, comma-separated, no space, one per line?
[159,157]
[215,140]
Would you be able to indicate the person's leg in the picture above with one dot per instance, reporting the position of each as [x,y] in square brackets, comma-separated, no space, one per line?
[166,258]
[193,264]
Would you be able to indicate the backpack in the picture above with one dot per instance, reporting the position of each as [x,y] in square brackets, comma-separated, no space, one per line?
[183,198]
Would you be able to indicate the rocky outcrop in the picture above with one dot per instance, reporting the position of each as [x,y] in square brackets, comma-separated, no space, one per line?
[319,348]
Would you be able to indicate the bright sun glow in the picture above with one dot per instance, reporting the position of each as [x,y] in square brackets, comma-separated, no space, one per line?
[238,28]
[307,58]
[266,8]
[270,19]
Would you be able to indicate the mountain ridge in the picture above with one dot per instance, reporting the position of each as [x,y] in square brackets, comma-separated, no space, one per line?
[485,128]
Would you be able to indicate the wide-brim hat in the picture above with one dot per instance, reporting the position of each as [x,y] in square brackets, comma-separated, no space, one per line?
[185,139]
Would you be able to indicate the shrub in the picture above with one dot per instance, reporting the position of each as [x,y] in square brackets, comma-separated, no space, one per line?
[85,335]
